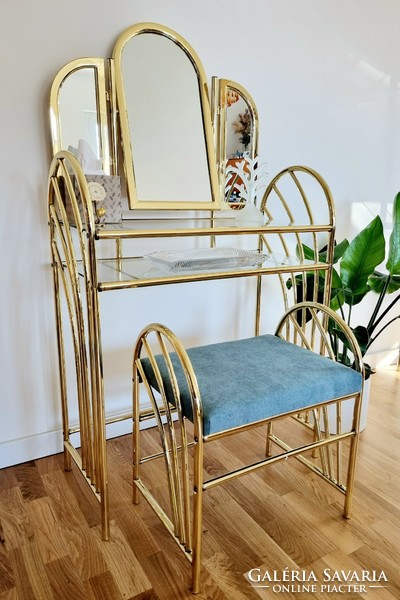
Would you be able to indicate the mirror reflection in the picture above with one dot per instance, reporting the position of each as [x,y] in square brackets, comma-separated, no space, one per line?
[238,140]
[78,112]
[239,125]
[165,122]
[79,115]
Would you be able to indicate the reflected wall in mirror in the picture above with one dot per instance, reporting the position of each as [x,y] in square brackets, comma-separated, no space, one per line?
[165,120]
[238,129]
[78,114]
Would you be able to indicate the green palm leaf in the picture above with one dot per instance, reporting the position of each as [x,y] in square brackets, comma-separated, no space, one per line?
[378,282]
[364,253]
[393,262]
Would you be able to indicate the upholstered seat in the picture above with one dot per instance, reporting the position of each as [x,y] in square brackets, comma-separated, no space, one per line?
[249,380]
[224,388]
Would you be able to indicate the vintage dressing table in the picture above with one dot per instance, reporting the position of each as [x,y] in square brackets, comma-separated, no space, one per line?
[109,120]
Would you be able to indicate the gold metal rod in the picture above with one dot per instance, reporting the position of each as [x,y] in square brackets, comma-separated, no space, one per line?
[310,465]
[61,358]
[77,351]
[327,435]
[163,437]
[108,421]
[222,434]
[80,349]
[353,456]
[180,487]
[198,488]
[118,250]
[162,516]
[322,451]
[106,286]
[136,433]
[339,465]
[107,234]
[160,454]
[78,461]
[98,399]
[268,442]
[210,483]
[169,447]
[258,293]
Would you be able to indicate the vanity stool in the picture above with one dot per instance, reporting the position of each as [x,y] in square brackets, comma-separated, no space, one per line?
[226,388]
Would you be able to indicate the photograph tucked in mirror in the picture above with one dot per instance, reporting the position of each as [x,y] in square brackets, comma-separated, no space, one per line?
[238,143]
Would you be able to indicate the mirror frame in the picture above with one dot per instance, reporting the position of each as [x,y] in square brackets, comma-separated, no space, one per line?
[224,86]
[134,201]
[101,94]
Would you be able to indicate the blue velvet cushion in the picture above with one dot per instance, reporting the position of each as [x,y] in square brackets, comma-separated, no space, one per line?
[248,380]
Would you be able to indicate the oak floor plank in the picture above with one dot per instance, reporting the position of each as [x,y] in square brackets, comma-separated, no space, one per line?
[16,528]
[122,562]
[337,562]
[30,481]
[7,581]
[81,547]
[226,575]
[327,520]
[47,531]
[148,595]
[104,587]
[179,565]
[7,479]
[11,594]
[64,579]
[30,574]
[83,496]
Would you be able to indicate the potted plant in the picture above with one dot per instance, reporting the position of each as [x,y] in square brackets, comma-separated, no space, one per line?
[357,276]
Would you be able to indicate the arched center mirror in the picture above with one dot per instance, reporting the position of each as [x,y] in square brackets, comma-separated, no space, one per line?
[165,119]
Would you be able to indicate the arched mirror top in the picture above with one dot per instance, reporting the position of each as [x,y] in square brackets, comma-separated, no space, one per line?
[165,121]
[78,113]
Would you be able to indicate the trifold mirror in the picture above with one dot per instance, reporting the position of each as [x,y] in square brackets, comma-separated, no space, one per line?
[151,103]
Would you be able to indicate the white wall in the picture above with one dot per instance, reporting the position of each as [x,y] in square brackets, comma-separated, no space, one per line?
[325,77]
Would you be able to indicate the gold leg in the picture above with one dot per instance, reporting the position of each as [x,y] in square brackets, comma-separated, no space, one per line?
[268,444]
[100,410]
[352,464]
[136,434]
[61,366]
[197,515]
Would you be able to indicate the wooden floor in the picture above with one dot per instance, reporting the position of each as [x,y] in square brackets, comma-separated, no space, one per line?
[281,517]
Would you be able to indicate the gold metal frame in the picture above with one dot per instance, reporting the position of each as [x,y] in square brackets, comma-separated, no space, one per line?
[79,293]
[313,336]
[98,66]
[321,279]
[134,201]
[222,89]
[75,271]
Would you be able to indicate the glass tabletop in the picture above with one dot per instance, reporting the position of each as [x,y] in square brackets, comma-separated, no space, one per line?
[114,273]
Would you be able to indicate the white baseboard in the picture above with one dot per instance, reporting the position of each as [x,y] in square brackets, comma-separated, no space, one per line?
[18,451]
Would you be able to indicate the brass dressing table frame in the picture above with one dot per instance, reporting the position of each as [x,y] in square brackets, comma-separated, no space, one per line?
[80,276]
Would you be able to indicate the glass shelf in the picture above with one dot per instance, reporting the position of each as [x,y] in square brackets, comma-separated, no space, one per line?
[134,272]
[196,226]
